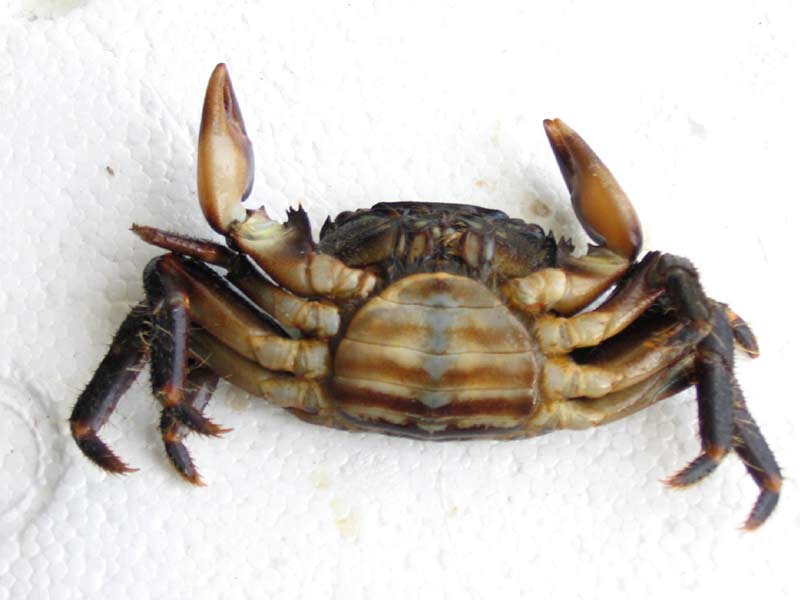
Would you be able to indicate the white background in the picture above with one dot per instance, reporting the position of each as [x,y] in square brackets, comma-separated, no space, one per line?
[695,109]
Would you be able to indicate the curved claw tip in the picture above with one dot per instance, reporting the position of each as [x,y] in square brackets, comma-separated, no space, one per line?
[765,504]
[99,453]
[181,459]
[196,421]
[225,163]
[700,468]
[598,200]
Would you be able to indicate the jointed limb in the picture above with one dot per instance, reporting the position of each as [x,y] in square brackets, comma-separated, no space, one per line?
[117,371]
[696,348]
[200,385]
[169,352]
[296,315]
[569,288]
[715,384]
[225,314]
[742,334]
[752,448]
[581,413]
[281,390]
[627,303]
[631,363]
[181,292]
[286,252]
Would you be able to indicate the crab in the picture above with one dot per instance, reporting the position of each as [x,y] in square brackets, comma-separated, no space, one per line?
[426,320]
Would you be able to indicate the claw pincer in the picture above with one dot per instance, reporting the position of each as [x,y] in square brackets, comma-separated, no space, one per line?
[599,202]
[225,165]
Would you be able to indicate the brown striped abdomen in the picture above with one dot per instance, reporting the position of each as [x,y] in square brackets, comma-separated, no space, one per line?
[435,355]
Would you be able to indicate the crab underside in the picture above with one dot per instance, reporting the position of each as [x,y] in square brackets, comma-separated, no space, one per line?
[435,321]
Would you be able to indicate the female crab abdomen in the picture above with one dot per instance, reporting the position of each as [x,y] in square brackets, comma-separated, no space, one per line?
[436,355]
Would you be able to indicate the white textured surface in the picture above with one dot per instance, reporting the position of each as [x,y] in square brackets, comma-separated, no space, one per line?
[694,109]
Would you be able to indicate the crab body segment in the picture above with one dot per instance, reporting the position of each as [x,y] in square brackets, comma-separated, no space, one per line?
[427,320]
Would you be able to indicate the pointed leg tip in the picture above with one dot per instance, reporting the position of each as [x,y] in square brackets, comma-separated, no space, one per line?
[197,480]
[113,464]
[765,504]
[98,452]
[750,525]
[748,346]
[212,429]
[676,481]
[700,468]
[181,459]
[757,517]
[195,420]
[144,232]
[191,475]
[116,467]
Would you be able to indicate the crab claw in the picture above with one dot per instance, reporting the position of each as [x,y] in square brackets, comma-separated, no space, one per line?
[598,200]
[225,155]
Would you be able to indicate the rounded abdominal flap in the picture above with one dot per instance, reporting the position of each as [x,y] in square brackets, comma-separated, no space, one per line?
[438,353]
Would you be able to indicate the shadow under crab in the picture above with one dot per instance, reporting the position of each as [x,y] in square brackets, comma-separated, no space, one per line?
[426,320]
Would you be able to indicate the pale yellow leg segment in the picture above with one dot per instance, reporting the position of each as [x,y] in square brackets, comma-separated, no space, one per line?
[570,288]
[282,390]
[565,378]
[311,317]
[560,335]
[562,377]
[584,413]
[225,315]
[285,252]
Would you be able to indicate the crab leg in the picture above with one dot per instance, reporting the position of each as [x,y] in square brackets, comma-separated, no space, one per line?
[714,367]
[570,288]
[282,390]
[288,254]
[631,362]
[200,385]
[742,333]
[716,384]
[702,330]
[563,413]
[229,318]
[117,371]
[752,448]
[169,353]
[558,335]
[314,318]
[639,292]
[225,177]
